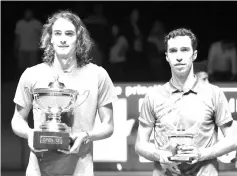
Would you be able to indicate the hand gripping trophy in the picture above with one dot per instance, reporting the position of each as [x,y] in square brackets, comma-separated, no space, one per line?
[53,101]
[181,137]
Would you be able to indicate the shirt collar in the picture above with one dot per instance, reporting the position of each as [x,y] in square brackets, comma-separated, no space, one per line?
[192,88]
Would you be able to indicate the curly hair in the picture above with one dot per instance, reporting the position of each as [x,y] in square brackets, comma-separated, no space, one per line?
[182,32]
[84,41]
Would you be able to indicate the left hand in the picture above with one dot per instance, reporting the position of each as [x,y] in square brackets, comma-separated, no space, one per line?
[78,139]
[190,151]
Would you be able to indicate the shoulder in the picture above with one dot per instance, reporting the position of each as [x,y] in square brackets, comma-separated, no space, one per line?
[20,23]
[95,69]
[209,88]
[211,92]
[36,22]
[37,69]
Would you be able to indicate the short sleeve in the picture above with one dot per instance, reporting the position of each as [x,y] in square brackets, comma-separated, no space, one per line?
[222,110]
[23,97]
[107,93]
[147,113]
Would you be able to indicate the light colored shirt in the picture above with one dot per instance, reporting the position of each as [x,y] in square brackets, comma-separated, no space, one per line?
[199,111]
[90,78]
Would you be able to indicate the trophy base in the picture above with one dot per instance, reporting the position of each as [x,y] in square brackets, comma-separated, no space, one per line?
[180,158]
[51,140]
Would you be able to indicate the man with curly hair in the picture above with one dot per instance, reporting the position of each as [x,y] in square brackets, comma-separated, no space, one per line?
[186,106]
[67,44]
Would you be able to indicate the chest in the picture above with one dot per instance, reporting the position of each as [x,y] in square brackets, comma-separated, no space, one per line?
[184,111]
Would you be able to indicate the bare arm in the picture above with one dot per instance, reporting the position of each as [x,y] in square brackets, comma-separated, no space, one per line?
[142,145]
[106,128]
[19,121]
[225,145]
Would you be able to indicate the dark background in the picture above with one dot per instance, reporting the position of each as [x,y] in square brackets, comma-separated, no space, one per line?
[210,21]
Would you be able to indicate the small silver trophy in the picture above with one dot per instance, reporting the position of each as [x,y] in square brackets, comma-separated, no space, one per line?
[179,138]
[53,101]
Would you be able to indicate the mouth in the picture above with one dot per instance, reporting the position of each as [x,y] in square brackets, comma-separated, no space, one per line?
[64,46]
[179,64]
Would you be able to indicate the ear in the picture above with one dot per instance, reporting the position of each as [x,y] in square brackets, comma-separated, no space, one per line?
[195,55]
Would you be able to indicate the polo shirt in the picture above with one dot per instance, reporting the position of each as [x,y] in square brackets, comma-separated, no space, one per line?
[198,110]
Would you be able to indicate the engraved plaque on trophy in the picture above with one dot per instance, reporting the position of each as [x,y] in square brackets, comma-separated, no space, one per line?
[53,101]
[177,139]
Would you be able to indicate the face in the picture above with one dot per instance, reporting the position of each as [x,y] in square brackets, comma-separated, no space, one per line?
[202,76]
[64,38]
[180,55]
[28,14]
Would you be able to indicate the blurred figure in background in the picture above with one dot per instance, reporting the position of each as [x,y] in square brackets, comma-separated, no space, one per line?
[118,54]
[96,54]
[27,38]
[98,27]
[200,70]
[222,61]
[137,63]
[155,51]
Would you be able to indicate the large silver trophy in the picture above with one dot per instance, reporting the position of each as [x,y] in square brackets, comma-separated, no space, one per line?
[178,138]
[53,101]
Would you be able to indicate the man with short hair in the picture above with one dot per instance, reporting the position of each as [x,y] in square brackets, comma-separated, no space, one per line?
[188,105]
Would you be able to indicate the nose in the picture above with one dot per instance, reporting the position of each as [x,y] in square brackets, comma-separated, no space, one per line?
[179,59]
[63,42]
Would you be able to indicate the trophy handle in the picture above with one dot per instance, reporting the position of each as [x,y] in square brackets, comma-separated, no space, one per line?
[79,100]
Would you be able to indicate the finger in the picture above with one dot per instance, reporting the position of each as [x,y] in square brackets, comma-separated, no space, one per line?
[64,151]
[40,150]
[195,160]
[75,146]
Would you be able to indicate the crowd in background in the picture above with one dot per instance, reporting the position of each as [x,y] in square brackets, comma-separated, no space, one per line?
[128,49]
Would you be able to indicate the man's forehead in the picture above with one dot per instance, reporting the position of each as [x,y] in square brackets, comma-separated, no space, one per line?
[63,24]
[180,41]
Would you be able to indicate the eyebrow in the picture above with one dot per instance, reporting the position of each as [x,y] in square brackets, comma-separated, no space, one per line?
[184,47]
[65,31]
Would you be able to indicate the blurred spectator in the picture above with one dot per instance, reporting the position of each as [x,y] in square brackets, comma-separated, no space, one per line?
[117,54]
[200,70]
[137,62]
[222,61]
[155,51]
[96,54]
[98,27]
[27,37]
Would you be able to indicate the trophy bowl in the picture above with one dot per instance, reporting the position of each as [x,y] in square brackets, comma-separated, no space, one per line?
[53,101]
[177,139]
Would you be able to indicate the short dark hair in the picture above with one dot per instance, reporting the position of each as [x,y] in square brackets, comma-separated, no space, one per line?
[84,41]
[181,32]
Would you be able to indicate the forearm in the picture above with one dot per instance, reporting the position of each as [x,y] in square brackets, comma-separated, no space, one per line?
[102,131]
[147,151]
[20,126]
[224,146]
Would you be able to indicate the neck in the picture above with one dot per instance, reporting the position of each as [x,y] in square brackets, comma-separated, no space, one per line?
[183,81]
[64,64]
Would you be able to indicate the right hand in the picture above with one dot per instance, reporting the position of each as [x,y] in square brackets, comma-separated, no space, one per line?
[31,140]
[165,162]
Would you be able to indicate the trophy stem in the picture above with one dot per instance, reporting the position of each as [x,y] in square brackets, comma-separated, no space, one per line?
[54,118]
